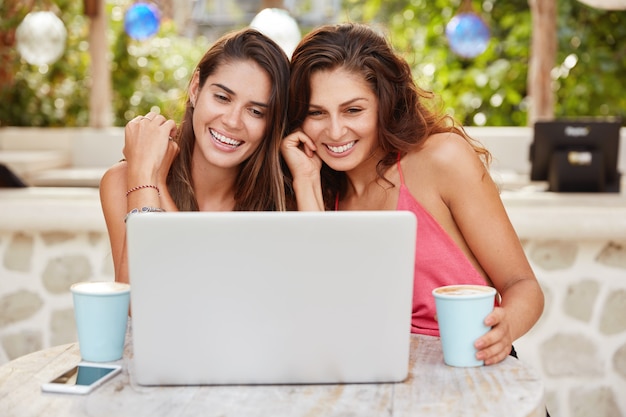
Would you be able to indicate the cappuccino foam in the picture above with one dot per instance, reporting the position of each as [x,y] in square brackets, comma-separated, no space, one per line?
[100,287]
[464,290]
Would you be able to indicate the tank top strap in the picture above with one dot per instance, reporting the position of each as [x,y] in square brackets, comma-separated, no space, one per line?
[400,170]
[337,202]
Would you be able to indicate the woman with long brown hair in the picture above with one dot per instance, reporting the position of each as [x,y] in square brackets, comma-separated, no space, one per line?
[366,137]
[224,156]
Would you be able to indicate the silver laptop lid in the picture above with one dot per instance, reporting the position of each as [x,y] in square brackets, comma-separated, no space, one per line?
[271,298]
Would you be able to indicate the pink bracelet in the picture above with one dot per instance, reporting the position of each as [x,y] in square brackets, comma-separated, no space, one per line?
[139,187]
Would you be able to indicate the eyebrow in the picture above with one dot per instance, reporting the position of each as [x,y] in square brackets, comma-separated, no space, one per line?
[344,104]
[229,91]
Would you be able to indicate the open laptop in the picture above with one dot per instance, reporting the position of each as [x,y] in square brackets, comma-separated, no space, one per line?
[271,297]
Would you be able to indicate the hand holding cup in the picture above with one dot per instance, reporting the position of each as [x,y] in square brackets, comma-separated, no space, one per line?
[461,313]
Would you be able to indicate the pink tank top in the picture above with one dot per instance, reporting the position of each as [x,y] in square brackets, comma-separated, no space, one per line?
[438,262]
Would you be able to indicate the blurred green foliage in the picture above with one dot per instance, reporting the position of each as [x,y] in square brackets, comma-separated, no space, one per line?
[146,75]
[491,89]
[47,95]
[151,75]
[594,42]
[487,90]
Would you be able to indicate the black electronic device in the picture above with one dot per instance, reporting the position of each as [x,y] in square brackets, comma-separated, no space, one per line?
[576,155]
[8,179]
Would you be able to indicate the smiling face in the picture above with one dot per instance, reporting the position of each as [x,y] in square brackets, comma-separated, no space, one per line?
[230,113]
[342,119]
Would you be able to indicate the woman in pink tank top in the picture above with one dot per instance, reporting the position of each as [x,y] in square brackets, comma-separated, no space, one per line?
[365,137]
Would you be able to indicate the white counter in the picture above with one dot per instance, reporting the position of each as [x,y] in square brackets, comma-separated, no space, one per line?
[546,215]
[47,209]
[533,214]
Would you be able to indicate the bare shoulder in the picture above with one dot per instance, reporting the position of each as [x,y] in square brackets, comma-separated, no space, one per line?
[115,172]
[446,153]
[444,169]
[114,179]
[441,147]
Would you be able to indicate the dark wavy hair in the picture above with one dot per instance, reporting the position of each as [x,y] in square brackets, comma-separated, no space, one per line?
[406,113]
[260,182]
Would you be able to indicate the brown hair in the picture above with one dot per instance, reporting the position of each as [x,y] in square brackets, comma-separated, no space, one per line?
[405,119]
[260,183]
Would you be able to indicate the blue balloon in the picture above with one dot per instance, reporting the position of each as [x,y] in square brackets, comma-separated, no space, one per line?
[142,21]
[468,35]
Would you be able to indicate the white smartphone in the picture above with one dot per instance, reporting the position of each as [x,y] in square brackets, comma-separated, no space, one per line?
[82,378]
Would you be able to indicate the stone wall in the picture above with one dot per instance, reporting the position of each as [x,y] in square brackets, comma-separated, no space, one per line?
[579,344]
[36,271]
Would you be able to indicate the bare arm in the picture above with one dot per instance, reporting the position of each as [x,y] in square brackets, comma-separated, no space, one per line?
[138,182]
[475,216]
[113,186]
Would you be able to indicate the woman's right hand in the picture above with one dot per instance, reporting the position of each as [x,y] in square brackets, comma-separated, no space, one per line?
[148,149]
[298,150]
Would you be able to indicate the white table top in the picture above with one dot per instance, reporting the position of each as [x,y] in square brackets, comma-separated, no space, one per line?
[510,389]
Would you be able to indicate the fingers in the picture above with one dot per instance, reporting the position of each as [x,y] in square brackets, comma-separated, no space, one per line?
[149,117]
[172,146]
[152,117]
[152,121]
[148,139]
[493,347]
[298,140]
[495,317]
[173,134]
[496,344]
[307,143]
[494,354]
[297,143]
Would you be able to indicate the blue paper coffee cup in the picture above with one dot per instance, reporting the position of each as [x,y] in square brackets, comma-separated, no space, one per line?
[461,313]
[101,314]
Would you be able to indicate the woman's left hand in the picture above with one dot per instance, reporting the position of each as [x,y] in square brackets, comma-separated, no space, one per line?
[496,344]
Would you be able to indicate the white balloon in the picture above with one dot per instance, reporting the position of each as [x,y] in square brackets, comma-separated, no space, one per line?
[40,38]
[279,26]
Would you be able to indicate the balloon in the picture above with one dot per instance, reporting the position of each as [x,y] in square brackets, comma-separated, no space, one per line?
[468,35]
[279,26]
[40,38]
[142,20]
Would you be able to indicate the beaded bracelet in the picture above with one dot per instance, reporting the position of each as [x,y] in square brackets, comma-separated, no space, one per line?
[143,210]
[139,187]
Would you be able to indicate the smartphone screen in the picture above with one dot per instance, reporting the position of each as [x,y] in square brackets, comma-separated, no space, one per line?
[82,375]
[82,378]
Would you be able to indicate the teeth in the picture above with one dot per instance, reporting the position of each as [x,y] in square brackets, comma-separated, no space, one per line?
[341,149]
[225,140]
